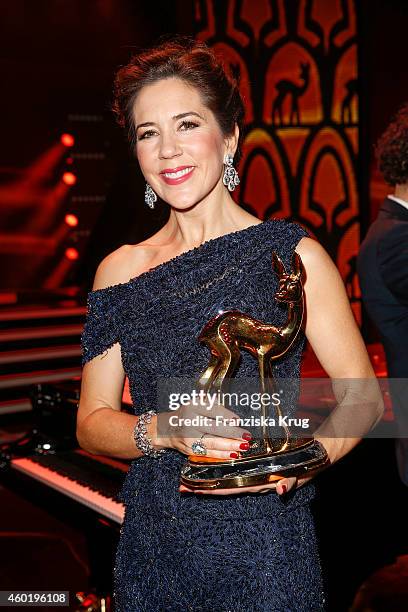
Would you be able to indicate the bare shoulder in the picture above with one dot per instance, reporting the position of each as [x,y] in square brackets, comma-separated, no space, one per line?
[314,256]
[121,265]
[130,260]
[110,271]
[323,282]
[309,248]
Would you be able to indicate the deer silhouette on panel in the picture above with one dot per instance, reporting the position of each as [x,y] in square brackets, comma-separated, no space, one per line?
[286,88]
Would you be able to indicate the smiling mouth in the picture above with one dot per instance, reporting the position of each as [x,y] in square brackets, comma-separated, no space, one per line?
[175,174]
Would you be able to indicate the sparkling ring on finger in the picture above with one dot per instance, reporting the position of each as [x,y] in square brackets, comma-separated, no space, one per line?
[198,447]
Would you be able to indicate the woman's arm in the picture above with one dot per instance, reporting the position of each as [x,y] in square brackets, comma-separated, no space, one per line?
[101,426]
[336,340]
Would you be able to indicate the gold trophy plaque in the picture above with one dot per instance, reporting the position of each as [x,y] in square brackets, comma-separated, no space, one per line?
[268,459]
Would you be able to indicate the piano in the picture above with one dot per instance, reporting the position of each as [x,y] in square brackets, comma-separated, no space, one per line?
[90,480]
[47,468]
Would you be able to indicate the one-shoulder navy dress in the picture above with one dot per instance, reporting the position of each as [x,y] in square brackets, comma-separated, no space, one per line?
[182,552]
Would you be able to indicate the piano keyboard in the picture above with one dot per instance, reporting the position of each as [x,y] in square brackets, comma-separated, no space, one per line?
[80,476]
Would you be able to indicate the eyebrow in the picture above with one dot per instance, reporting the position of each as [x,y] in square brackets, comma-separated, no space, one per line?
[175,118]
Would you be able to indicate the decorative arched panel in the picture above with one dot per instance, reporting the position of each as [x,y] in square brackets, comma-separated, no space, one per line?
[297,67]
[328,193]
[264,185]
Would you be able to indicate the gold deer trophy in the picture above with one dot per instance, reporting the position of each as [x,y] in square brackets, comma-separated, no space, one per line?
[268,459]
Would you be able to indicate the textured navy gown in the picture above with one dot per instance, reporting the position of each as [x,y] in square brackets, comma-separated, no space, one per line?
[180,551]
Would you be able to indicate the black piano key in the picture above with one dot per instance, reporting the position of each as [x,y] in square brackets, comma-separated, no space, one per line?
[91,473]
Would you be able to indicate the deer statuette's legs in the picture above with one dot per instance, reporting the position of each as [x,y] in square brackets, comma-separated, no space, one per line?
[268,386]
[224,356]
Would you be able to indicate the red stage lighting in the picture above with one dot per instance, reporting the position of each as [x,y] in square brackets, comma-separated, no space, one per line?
[71,253]
[69,178]
[68,140]
[71,220]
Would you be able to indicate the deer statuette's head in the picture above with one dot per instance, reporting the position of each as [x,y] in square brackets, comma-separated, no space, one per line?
[290,285]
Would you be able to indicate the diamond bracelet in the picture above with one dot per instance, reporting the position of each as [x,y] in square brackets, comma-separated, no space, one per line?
[144,443]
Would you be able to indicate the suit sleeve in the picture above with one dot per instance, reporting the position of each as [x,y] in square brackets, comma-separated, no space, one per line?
[393,261]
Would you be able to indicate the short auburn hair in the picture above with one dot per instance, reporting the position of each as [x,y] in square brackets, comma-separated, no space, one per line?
[392,149]
[194,63]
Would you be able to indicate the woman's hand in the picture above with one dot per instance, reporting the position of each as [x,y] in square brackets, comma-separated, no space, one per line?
[282,486]
[174,429]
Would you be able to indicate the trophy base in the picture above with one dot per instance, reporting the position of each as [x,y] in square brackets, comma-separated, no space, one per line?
[211,473]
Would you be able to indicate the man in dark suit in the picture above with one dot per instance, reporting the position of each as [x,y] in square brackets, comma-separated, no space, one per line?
[382,267]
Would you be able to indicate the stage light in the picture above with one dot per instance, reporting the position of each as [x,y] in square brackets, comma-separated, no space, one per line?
[71,253]
[69,178]
[69,161]
[68,140]
[71,220]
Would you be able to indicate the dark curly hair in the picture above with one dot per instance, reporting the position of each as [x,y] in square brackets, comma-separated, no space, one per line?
[186,59]
[392,149]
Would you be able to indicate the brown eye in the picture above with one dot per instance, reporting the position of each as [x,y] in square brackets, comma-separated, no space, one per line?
[188,125]
[147,134]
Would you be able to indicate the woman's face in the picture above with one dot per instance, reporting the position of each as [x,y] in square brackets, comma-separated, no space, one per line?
[179,144]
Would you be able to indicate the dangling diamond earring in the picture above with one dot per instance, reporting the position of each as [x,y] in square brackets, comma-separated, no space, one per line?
[230,178]
[150,196]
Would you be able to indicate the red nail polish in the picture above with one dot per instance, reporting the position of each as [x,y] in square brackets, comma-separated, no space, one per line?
[234,455]
[244,446]
[246,436]
[284,488]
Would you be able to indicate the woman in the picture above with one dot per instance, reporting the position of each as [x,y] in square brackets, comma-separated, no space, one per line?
[251,549]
